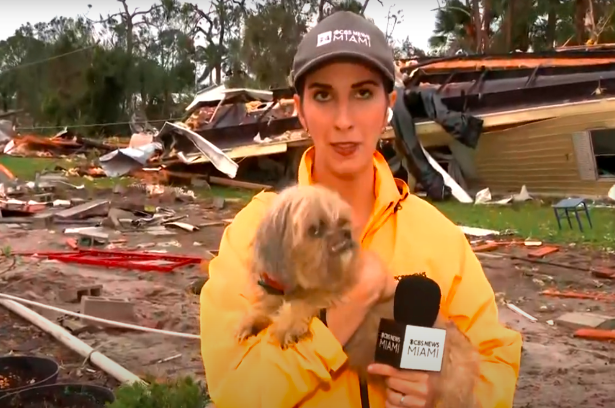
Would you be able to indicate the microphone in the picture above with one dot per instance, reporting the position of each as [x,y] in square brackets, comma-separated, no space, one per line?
[410,342]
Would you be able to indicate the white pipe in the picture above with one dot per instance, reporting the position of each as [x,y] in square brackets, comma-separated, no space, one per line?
[99,320]
[63,336]
[521,312]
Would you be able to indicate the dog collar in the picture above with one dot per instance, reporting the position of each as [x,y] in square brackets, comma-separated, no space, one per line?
[270,285]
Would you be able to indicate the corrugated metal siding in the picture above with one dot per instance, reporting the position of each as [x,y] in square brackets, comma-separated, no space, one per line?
[542,156]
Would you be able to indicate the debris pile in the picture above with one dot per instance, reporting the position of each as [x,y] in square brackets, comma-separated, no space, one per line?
[52,202]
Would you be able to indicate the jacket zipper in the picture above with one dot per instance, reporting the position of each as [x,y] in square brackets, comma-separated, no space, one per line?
[363,389]
[362,384]
[364,394]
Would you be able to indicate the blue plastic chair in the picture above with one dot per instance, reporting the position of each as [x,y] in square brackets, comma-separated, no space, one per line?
[571,205]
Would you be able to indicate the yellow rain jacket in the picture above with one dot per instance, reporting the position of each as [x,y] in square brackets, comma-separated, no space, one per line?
[412,237]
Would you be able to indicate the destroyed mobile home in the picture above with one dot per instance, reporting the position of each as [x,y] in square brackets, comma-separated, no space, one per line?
[464,123]
[547,119]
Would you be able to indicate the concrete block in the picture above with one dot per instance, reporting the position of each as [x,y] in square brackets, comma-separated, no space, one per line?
[219,203]
[44,198]
[119,310]
[44,219]
[582,320]
[74,295]
[76,327]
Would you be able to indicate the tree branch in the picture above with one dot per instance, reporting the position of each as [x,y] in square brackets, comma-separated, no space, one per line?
[365,6]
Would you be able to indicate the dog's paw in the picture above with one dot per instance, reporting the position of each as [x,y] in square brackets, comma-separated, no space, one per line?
[290,332]
[245,332]
[250,326]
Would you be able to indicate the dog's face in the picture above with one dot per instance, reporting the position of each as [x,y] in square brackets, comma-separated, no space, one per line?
[305,241]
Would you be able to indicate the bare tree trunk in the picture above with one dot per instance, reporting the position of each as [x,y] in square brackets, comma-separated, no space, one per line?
[580,10]
[222,17]
[478,30]
[508,24]
[487,17]
[552,22]
[364,7]
[321,9]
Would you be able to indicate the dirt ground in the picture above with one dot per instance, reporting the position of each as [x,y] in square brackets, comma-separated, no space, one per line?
[557,369]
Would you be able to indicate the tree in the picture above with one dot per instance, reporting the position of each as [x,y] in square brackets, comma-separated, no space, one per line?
[83,72]
[217,26]
[80,71]
[272,33]
[454,30]
[406,50]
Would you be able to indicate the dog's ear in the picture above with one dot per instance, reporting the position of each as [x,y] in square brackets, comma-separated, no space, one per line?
[272,244]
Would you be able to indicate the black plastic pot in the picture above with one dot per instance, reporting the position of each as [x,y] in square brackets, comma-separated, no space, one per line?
[22,372]
[60,396]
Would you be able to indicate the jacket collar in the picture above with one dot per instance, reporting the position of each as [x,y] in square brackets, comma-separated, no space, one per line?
[388,190]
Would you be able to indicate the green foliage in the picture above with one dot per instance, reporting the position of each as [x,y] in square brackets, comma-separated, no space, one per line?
[451,20]
[271,61]
[520,24]
[181,393]
[77,71]
[72,71]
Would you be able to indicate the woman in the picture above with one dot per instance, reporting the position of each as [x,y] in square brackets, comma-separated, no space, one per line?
[344,75]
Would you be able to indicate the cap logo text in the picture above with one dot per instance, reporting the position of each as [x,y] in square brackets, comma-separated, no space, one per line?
[324,38]
[343,35]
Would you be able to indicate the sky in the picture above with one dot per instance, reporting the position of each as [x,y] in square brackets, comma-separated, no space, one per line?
[418,19]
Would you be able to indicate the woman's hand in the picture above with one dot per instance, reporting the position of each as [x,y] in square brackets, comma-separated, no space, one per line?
[375,282]
[406,388]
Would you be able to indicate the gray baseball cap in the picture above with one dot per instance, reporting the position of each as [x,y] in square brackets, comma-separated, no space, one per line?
[344,35]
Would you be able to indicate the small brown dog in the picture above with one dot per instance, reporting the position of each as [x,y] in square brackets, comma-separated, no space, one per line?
[460,369]
[304,260]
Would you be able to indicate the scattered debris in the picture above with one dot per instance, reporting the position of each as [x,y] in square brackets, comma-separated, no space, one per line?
[594,334]
[478,232]
[484,197]
[122,161]
[578,320]
[521,312]
[542,252]
[145,261]
[575,295]
[74,294]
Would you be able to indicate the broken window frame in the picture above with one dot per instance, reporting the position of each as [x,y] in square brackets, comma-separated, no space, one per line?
[600,151]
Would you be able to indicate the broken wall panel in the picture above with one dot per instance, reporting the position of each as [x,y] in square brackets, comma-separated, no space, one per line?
[233,136]
[496,100]
[541,156]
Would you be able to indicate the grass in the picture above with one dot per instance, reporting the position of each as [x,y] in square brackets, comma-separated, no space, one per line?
[537,221]
[25,169]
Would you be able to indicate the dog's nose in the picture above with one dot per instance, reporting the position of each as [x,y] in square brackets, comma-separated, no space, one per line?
[341,240]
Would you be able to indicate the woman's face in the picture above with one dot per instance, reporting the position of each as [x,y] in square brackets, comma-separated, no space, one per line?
[344,108]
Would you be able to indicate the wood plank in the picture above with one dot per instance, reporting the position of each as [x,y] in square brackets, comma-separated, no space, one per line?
[584,156]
